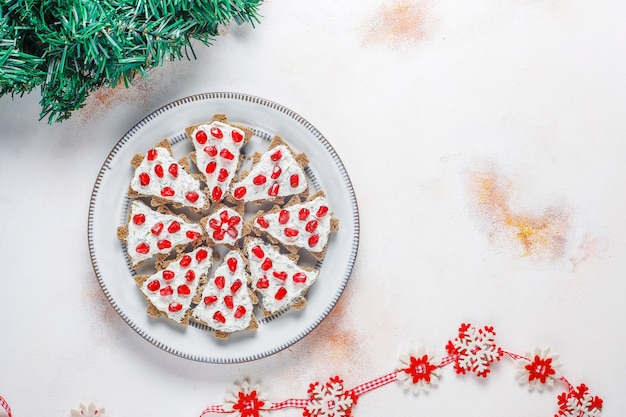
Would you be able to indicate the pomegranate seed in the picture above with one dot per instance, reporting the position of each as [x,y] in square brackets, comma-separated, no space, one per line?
[216,132]
[276,155]
[283,217]
[259,179]
[299,277]
[222,175]
[210,299]
[311,226]
[158,170]
[143,248]
[167,192]
[219,317]
[175,307]
[273,191]
[191,235]
[234,220]
[173,227]
[237,136]
[281,293]
[263,283]
[210,150]
[214,224]
[228,300]
[164,244]
[220,282]
[190,275]
[210,168]
[276,172]
[218,234]
[173,170]
[240,311]
[232,232]
[154,285]
[262,222]
[294,180]
[226,154]
[289,232]
[201,255]
[281,275]
[321,212]
[144,179]
[201,137]
[216,193]
[235,287]
[313,240]
[185,261]
[267,264]
[157,229]
[183,290]
[168,274]
[258,252]
[304,213]
[240,192]
[224,216]
[192,196]
[232,264]
[139,219]
[152,154]
[166,291]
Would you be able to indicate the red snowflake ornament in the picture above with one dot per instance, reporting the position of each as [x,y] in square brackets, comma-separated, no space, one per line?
[579,403]
[329,400]
[247,400]
[474,350]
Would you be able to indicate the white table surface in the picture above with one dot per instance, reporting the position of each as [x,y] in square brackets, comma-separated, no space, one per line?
[427,103]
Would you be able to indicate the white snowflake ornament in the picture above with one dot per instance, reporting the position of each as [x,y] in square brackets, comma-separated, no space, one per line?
[418,370]
[88,411]
[541,370]
[247,400]
[329,400]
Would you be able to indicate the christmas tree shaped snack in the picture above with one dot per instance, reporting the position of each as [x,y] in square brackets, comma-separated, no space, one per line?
[156,233]
[275,174]
[166,180]
[281,283]
[218,152]
[227,302]
[299,225]
[171,290]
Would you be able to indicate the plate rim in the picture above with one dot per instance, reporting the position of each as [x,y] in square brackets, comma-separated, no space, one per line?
[263,102]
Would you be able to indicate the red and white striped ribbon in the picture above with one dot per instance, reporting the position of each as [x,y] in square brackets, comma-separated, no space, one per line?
[5,405]
[375,383]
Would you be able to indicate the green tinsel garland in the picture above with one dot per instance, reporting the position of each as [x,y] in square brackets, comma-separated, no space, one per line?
[73,47]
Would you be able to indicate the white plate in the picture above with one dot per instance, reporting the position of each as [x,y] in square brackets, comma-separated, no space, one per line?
[109,205]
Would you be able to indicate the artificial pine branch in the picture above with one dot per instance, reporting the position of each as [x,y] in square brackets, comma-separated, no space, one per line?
[70,48]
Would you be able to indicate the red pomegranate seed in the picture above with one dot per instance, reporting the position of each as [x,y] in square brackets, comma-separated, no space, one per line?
[224,216]
[222,175]
[210,150]
[173,227]
[240,192]
[144,179]
[263,283]
[173,170]
[232,232]
[235,287]
[276,172]
[281,293]
[218,234]
[201,137]
[216,132]
[154,285]
[321,212]
[311,226]
[175,307]
[166,291]
[190,275]
[157,229]
[191,235]
[226,154]
[152,154]
[228,300]
[303,213]
[219,317]
[158,170]
[185,261]
[258,252]
[299,277]
[192,196]
[289,232]
[220,281]
[143,248]
[232,264]
[210,168]
[283,216]
[276,155]
[139,219]
[313,240]
[183,290]
[273,191]
[240,311]
[164,244]
[294,180]
[167,192]
[210,299]
[267,264]
[216,193]
[281,275]
[259,179]
[214,224]
[168,274]
[201,255]
[262,222]
[237,136]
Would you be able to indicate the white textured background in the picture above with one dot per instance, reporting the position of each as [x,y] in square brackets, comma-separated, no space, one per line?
[466,127]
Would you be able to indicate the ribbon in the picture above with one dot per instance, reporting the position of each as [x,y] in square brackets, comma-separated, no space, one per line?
[5,405]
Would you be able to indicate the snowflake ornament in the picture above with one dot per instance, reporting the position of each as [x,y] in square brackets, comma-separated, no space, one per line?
[247,400]
[418,370]
[474,350]
[329,400]
[579,403]
[539,371]
[88,411]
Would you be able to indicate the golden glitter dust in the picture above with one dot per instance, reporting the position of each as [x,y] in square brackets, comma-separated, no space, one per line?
[538,234]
